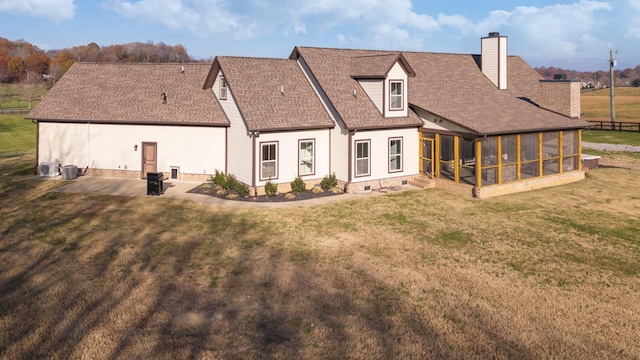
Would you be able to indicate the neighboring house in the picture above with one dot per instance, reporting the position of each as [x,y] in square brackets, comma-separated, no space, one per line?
[373,118]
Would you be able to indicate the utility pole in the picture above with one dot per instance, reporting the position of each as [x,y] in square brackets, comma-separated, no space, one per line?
[612,63]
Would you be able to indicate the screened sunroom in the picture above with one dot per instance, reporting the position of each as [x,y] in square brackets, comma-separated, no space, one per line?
[495,160]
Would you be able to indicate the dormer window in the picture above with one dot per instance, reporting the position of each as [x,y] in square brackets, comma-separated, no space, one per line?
[223,88]
[396,98]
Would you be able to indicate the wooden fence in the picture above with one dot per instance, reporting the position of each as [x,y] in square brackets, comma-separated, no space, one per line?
[618,126]
[14,111]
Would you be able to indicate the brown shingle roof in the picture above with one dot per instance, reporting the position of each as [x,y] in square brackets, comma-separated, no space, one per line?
[131,93]
[377,66]
[272,94]
[451,86]
[333,69]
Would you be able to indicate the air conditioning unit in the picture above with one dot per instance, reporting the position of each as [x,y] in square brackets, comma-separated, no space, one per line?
[69,172]
[49,168]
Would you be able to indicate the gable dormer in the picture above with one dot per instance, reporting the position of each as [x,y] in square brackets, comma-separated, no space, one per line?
[384,78]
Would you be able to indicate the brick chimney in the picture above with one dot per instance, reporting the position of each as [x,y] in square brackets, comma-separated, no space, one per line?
[560,95]
[494,59]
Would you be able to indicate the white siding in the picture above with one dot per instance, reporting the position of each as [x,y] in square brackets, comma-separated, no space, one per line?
[66,143]
[239,147]
[340,153]
[396,73]
[375,91]
[196,150]
[288,154]
[339,147]
[379,153]
[494,60]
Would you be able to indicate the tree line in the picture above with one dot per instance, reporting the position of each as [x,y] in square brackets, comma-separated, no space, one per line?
[21,61]
[597,79]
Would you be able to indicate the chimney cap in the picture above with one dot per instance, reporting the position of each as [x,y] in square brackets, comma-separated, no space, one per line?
[494,34]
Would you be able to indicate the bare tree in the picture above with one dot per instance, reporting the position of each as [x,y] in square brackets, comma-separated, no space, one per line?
[29,85]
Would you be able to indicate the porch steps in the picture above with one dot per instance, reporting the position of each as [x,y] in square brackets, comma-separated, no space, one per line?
[423,182]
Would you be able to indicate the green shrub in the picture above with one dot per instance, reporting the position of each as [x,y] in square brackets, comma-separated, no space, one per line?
[219,179]
[231,182]
[270,189]
[298,186]
[242,189]
[329,182]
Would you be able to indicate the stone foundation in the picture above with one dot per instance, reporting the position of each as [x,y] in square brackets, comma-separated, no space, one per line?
[528,184]
[376,184]
[135,174]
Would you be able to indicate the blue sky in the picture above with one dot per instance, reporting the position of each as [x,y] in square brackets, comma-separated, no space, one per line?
[569,34]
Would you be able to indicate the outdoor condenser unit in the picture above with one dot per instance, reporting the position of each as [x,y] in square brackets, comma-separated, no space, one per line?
[48,168]
[69,172]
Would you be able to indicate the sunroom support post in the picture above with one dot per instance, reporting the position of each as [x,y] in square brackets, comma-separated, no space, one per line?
[456,159]
[560,153]
[518,158]
[540,168]
[499,158]
[436,157]
[478,163]
[580,150]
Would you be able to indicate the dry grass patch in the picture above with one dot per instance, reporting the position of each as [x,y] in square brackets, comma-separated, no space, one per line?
[424,274]
[595,104]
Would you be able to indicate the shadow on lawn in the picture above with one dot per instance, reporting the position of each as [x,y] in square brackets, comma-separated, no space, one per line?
[108,277]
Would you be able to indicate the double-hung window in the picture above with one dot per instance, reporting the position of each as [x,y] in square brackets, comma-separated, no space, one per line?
[306,152]
[223,88]
[395,154]
[268,160]
[363,158]
[396,100]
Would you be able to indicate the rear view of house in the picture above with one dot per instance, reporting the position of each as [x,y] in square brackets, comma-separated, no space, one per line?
[373,118]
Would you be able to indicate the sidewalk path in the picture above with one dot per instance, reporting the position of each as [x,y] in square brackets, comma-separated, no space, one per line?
[179,190]
[610,147]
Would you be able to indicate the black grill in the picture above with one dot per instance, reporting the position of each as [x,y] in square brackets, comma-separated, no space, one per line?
[155,184]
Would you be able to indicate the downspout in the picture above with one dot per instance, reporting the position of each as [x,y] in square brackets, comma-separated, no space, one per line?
[37,146]
[254,135]
[88,144]
[350,162]
[226,149]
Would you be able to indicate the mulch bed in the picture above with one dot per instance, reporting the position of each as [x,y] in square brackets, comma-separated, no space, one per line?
[210,190]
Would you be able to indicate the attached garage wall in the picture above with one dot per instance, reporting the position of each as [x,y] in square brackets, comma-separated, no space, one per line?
[195,150]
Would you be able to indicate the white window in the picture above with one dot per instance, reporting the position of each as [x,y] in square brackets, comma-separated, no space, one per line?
[396,101]
[307,157]
[268,161]
[395,154]
[363,160]
[223,88]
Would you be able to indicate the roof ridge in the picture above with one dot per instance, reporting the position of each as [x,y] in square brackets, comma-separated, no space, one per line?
[250,57]
[142,64]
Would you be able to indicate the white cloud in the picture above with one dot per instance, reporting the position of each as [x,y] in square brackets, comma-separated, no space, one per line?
[57,10]
[366,20]
[575,30]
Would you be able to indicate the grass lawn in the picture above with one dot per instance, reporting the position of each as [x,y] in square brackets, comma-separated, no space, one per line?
[552,273]
[612,137]
[10,97]
[16,134]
